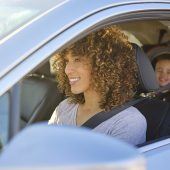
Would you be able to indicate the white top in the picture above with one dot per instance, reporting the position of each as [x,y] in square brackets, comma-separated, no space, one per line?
[129,125]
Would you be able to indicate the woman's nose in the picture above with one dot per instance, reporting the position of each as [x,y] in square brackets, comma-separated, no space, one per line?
[69,68]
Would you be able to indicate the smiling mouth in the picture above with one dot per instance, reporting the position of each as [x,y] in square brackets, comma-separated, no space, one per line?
[72,81]
[162,80]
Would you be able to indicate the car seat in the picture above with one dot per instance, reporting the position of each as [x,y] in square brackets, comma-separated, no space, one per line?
[152,108]
[39,96]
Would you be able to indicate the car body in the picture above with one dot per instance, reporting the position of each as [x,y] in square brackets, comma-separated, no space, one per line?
[31,32]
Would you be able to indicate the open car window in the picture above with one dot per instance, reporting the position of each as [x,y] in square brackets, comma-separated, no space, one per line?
[40,86]
[31,33]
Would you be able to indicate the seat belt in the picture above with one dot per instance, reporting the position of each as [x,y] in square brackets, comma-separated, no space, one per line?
[103,116]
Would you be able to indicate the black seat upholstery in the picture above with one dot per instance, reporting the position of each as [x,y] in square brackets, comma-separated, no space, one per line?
[154,110]
[39,96]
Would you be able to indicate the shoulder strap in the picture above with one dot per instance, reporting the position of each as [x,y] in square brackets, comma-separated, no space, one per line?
[103,116]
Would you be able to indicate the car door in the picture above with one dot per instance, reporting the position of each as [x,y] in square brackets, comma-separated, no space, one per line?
[39,38]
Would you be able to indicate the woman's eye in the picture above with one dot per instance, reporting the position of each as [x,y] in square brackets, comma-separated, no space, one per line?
[76,59]
[66,61]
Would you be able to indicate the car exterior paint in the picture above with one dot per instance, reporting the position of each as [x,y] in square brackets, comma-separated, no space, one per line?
[26,48]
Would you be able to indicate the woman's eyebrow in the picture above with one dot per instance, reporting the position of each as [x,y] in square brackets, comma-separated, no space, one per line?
[75,56]
[65,57]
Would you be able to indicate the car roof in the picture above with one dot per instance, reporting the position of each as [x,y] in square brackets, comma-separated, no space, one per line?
[42,29]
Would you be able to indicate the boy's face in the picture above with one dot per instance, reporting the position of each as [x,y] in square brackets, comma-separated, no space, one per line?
[162,70]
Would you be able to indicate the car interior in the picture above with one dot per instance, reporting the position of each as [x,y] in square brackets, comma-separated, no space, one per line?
[40,94]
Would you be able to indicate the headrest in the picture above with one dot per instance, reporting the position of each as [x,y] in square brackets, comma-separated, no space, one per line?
[44,70]
[158,51]
[146,74]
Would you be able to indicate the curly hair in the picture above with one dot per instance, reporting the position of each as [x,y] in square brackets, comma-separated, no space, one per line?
[114,70]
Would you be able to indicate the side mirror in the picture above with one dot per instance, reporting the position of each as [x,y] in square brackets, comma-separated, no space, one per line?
[63,147]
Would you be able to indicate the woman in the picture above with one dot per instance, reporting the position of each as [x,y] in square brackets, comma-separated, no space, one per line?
[98,73]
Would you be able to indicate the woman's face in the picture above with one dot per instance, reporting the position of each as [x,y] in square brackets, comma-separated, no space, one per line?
[78,71]
[162,70]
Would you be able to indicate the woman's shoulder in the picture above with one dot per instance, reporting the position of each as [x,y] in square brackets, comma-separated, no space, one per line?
[129,116]
[132,109]
[133,112]
[133,117]
[129,125]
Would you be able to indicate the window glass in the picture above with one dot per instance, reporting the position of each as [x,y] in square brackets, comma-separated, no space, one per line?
[16,13]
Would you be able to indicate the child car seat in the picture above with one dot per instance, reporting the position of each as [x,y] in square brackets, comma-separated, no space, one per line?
[152,108]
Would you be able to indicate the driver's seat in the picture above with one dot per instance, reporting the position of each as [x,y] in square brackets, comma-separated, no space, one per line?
[39,96]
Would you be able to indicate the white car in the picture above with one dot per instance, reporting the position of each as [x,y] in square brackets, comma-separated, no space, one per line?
[30,33]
